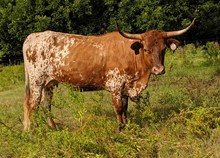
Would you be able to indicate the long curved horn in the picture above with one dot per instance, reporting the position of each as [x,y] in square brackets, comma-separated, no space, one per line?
[128,35]
[180,32]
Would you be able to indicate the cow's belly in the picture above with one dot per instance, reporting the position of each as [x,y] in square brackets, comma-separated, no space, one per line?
[97,81]
[83,78]
[81,70]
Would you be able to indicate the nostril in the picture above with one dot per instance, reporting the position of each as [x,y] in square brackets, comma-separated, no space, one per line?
[157,70]
[154,69]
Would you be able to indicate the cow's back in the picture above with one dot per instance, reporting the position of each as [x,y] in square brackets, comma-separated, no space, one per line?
[80,60]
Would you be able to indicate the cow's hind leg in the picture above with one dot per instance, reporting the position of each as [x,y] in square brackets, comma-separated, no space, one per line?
[47,98]
[32,100]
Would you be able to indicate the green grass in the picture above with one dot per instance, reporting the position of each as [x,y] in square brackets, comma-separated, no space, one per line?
[177,116]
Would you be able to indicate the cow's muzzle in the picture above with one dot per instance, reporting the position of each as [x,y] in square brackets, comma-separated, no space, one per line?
[158,70]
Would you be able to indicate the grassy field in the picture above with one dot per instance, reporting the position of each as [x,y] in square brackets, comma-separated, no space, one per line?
[177,116]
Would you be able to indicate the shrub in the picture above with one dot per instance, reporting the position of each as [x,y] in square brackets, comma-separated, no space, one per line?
[213,52]
[199,122]
[142,113]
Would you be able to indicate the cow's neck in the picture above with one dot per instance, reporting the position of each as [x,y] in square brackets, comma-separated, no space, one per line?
[137,86]
[142,75]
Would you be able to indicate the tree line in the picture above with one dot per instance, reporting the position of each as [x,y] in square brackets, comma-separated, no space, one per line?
[19,18]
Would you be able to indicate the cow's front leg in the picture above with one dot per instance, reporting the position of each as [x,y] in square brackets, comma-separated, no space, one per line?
[125,107]
[120,107]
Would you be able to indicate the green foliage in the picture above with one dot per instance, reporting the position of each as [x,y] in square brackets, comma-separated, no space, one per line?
[11,76]
[143,114]
[177,116]
[208,12]
[213,52]
[198,122]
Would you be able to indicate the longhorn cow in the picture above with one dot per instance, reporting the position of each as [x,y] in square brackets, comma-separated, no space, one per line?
[118,62]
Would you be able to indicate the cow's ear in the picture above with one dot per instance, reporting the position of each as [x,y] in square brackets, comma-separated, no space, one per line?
[136,46]
[173,43]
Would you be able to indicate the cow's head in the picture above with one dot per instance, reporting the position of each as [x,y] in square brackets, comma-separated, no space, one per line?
[154,44]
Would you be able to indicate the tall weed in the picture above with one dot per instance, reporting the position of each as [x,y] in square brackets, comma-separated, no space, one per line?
[213,52]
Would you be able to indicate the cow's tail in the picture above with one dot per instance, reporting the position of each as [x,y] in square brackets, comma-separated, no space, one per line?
[27,107]
[27,85]
[27,92]
[27,88]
